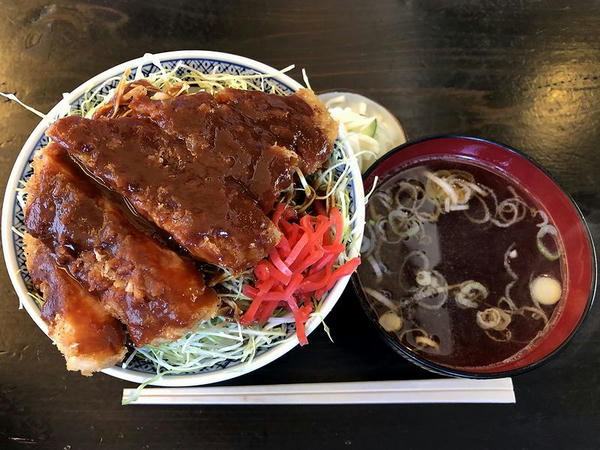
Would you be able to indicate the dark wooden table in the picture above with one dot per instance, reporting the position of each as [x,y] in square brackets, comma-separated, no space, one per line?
[523,73]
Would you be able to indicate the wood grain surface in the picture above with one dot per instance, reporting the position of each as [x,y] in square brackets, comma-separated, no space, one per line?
[524,73]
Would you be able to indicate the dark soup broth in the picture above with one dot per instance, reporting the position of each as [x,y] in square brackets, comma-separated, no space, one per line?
[460,264]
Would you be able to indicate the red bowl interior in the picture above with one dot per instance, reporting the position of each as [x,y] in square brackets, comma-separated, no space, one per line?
[579,252]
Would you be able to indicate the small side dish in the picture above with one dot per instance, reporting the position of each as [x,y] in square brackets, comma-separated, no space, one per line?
[369,128]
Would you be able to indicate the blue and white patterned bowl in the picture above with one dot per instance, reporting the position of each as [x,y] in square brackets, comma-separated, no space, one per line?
[12,211]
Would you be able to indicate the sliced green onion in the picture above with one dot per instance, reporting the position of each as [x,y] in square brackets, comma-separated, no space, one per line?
[382,299]
[543,231]
[470,291]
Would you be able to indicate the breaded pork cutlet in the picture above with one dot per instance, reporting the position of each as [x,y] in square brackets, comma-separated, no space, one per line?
[298,122]
[215,219]
[204,168]
[88,336]
[221,137]
[157,294]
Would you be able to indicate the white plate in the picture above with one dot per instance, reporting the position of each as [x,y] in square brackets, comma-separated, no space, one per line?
[12,212]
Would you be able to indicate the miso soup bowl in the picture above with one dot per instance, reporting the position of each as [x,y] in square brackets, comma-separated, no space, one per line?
[580,255]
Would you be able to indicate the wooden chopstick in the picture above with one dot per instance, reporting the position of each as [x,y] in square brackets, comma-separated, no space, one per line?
[448,390]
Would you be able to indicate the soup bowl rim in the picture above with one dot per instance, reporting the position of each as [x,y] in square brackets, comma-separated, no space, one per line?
[439,369]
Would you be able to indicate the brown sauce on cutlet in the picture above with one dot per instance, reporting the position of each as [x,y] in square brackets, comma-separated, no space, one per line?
[89,327]
[204,169]
[288,121]
[213,217]
[155,292]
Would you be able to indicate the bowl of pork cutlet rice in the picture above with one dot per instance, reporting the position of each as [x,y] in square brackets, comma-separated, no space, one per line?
[182,219]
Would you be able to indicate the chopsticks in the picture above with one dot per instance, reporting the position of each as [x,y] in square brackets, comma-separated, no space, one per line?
[449,390]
